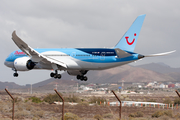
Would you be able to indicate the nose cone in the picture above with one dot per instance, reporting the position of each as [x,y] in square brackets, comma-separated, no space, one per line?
[9,64]
[5,63]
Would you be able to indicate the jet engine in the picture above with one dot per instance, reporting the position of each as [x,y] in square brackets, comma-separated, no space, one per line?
[23,64]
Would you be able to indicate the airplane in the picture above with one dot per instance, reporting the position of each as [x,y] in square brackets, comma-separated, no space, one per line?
[77,61]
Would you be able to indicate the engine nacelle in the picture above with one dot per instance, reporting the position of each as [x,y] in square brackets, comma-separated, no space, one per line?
[23,64]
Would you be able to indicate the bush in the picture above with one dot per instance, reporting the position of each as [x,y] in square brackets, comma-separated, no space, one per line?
[98,117]
[136,114]
[38,114]
[72,99]
[35,99]
[168,113]
[51,98]
[70,116]
[167,101]
[158,114]
[54,97]
[108,115]
[83,104]
[177,101]
[97,99]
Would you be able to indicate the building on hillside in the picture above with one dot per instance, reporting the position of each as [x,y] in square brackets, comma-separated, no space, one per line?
[177,85]
[162,85]
[171,85]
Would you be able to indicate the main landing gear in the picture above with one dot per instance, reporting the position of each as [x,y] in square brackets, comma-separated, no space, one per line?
[82,77]
[55,75]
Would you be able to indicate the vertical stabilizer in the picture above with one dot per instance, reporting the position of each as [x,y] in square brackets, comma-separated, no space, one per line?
[128,41]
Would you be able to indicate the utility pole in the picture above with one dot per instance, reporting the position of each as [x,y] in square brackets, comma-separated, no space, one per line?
[6,87]
[31,88]
[122,85]
[77,86]
[56,86]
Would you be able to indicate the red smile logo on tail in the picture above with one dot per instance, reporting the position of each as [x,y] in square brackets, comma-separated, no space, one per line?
[130,43]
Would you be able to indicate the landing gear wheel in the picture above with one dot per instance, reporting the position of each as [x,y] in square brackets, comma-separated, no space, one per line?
[78,77]
[85,78]
[81,78]
[52,74]
[59,76]
[15,74]
[55,76]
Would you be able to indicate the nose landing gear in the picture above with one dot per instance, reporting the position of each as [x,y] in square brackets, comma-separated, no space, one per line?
[15,74]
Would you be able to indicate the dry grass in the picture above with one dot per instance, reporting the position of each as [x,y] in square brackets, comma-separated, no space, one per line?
[36,111]
[21,114]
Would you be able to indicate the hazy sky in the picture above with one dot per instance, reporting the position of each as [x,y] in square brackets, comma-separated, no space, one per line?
[87,23]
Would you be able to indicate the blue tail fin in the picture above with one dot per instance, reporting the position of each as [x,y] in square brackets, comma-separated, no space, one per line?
[128,41]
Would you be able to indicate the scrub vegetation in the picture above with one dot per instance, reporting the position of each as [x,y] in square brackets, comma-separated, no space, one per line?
[92,107]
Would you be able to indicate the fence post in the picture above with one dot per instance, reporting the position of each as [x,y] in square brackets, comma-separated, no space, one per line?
[177,93]
[120,104]
[176,106]
[172,106]
[62,104]
[13,103]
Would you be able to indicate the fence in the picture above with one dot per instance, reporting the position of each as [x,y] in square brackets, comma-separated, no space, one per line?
[144,104]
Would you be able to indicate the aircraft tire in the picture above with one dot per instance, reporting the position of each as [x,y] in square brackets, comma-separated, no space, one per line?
[59,76]
[15,74]
[55,76]
[52,74]
[85,78]
[78,77]
[81,78]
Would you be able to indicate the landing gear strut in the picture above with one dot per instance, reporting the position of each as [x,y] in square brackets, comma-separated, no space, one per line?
[55,75]
[82,77]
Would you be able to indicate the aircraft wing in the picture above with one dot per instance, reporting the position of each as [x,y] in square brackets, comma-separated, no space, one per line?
[35,56]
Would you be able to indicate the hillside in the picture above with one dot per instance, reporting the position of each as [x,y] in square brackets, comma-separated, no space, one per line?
[159,67]
[128,74]
[143,73]
[62,84]
[10,85]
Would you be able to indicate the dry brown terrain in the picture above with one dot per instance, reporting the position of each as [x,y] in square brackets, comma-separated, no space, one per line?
[27,110]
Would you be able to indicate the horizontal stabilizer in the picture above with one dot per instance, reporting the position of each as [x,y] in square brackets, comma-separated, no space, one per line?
[160,54]
[121,53]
